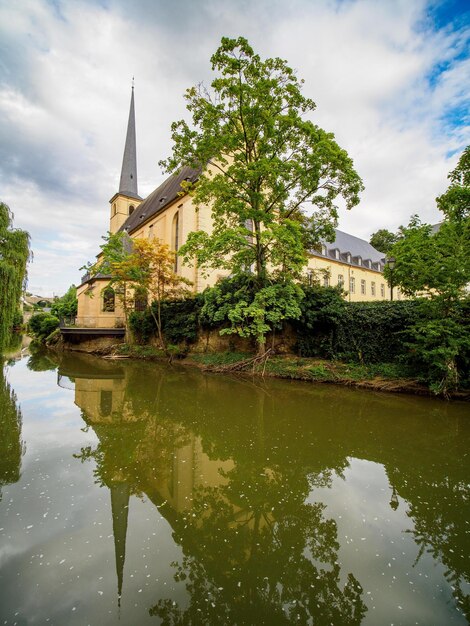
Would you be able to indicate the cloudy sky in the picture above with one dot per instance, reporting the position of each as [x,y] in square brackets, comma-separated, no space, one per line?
[390,78]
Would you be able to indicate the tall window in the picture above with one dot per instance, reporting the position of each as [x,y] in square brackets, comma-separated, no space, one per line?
[106,402]
[151,231]
[326,280]
[352,284]
[310,277]
[176,237]
[372,288]
[340,280]
[382,290]
[140,300]
[108,300]
[131,210]
[363,287]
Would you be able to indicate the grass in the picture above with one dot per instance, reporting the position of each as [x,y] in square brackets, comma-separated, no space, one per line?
[140,352]
[219,358]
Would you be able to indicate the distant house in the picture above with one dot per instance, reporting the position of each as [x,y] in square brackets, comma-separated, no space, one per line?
[170,215]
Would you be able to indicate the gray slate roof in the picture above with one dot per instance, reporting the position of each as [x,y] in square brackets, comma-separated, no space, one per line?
[357,247]
[159,199]
[351,250]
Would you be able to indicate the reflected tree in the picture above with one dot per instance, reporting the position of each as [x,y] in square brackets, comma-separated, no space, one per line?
[40,360]
[258,552]
[12,447]
[439,505]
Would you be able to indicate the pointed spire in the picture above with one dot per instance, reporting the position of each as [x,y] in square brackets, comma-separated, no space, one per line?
[128,183]
[120,494]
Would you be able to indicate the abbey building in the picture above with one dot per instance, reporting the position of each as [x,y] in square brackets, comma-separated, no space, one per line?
[170,216]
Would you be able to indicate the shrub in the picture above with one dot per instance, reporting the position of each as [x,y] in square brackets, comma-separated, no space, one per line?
[180,321]
[363,332]
[375,332]
[43,324]
[322,311]
[439,344]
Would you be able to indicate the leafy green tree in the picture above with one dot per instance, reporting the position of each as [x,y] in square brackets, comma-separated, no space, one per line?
[429,261]
[436,262]
[14,256]
[383,240]
[270,175]
[455,202]
[67,305]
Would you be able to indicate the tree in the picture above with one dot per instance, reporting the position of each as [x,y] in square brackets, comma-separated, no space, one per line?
[437,262]
[14,256]
[66,306]
[153,266]
[113,263]
[383,240]
[142,268]
[262,162]
[455,202]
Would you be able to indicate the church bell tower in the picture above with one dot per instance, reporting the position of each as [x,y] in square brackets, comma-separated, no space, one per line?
[127,199]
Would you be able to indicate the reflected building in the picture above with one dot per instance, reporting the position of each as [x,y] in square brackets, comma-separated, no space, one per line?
[233,473]
[135,452]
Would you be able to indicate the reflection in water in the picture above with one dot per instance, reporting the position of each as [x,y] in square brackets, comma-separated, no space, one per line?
[11,445]
[239,470]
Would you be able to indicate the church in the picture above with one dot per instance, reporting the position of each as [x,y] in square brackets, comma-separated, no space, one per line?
[170,215]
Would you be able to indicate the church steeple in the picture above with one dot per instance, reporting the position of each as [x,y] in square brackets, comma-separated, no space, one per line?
[128,183]
[126,200]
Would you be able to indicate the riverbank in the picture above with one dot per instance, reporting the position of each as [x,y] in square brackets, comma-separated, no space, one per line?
[388,377]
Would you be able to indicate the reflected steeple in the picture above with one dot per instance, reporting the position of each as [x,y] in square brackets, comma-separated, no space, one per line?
[120,494]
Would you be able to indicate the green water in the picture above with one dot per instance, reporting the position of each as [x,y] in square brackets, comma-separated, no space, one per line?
[135,493]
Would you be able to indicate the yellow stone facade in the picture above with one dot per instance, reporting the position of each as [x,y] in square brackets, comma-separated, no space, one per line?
[170,215]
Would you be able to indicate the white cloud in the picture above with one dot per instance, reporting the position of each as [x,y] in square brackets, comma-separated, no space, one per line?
[65,87]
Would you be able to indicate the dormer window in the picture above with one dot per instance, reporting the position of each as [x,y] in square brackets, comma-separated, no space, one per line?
[359,260]
[336,253]
[323,250]
[348,257]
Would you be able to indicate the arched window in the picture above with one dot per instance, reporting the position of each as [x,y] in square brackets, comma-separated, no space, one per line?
[131,209]
[175,237]
[109,298]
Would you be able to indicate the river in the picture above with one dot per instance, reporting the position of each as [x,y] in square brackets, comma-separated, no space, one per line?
[135,493]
